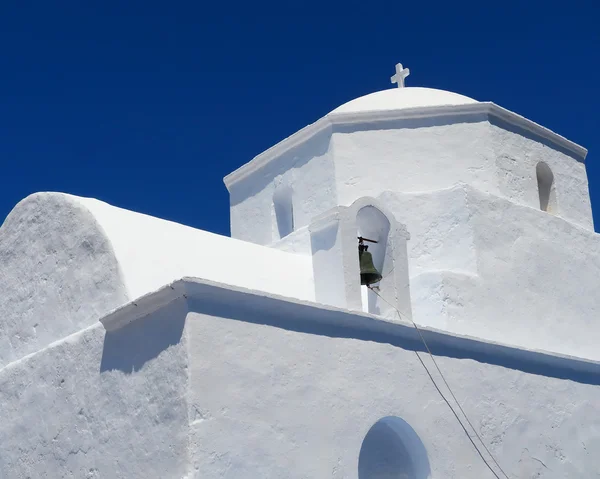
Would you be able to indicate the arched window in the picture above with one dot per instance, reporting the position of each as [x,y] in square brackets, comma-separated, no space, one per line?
[546,190]
[284,210]
[392,450]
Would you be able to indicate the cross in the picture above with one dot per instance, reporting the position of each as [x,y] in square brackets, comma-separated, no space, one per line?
[401,74]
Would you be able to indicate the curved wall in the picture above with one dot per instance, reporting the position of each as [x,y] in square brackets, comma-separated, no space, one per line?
[152,252]
[67,261]
[58,274]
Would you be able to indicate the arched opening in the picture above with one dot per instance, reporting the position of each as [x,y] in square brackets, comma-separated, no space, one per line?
[373,224]
[284,210]
[546,190]
[392,450]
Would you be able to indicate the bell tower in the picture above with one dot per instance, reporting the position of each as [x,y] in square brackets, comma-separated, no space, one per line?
[337,240]
[412,163]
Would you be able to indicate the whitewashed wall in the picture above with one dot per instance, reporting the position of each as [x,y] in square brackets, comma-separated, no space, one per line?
[98,405]
[152,252]
[489,268]
[58,274]
[344,162]
[298,399]
[66,261]
[307,169]
[418,156]
[237,385]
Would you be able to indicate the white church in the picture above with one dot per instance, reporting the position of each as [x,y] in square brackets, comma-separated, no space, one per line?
[410,291]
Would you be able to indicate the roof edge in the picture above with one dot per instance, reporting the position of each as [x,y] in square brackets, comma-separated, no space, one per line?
[331,119]
[467,347]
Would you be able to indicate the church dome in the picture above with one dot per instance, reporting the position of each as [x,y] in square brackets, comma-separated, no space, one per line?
[402,98]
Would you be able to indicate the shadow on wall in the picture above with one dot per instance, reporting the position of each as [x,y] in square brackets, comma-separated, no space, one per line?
[393,450]
[297,157]
[546,189]
[284,210]
[129,348]
[305,318]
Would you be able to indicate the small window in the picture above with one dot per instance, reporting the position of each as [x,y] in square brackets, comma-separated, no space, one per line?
[393,450]
[546,190]
[284,210]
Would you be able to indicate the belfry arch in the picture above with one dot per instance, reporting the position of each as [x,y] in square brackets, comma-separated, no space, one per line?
[335,250]
[372,224]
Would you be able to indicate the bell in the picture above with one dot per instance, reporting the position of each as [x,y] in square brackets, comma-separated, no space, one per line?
[368,272]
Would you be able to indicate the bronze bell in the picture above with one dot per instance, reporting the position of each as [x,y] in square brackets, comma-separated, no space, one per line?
[368,272]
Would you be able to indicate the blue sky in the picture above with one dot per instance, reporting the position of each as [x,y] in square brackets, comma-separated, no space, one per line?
[147,105]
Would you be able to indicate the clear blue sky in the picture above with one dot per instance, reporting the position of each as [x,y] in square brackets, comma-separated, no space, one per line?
[147,105]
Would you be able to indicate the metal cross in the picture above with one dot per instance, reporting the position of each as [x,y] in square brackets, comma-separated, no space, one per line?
[401,74]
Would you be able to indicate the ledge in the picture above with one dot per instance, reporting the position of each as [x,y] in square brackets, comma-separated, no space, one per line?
[240,304]
[459,111]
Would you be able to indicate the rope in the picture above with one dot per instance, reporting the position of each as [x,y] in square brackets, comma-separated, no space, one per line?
[449,389]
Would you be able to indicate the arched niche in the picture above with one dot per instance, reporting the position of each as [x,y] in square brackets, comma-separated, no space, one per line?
[546,189]
[336,264]
[284,210]
[371,223]
[393,450]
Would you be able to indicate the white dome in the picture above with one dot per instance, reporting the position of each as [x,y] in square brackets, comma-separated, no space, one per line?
[401,98]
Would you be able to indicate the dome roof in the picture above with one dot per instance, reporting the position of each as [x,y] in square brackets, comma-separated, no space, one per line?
[401,98]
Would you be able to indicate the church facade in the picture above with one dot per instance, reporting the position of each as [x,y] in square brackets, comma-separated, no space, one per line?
[262,355]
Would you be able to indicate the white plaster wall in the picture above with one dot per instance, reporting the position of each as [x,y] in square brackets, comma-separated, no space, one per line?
[152,252]
[335,259]
[442,236]
[297,242]
[58,273]
[539,279]
[256,386]
[516,157]
[67,261]
[411,156]
[503,272]
[418,156]
[308,169]
[273,402]
[440,227]
[99,405]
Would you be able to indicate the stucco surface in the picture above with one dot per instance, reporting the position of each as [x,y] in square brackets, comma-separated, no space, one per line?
[58,273]
[229,383]
[487,267]
[307,169]
[152,252]
[412,157]
[516,155]
[98,405]
[272,402]
[67,261]
[344,162]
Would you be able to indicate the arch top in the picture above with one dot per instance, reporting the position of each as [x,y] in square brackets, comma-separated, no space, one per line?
[546,187]
[396,228]
[60,273]
[391,450]
[284,210]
